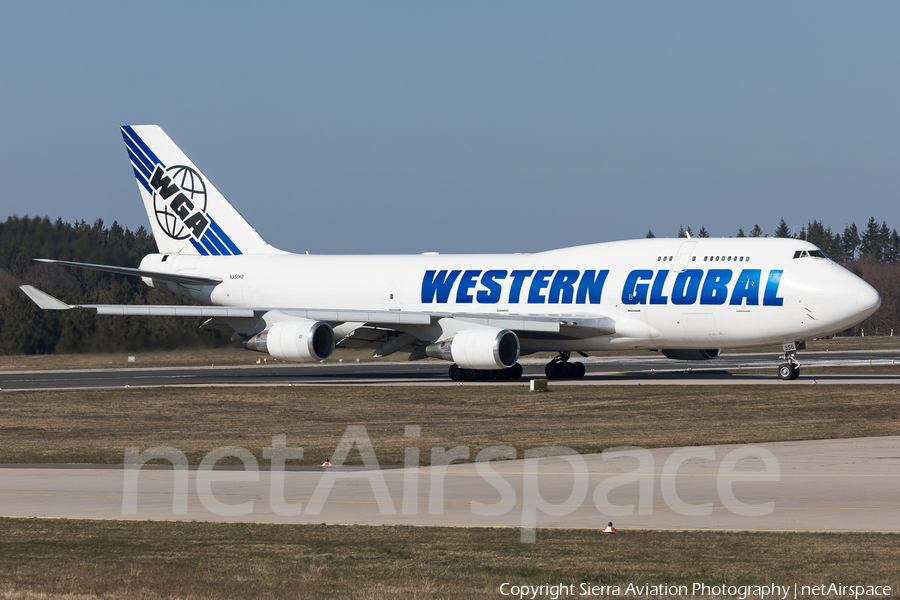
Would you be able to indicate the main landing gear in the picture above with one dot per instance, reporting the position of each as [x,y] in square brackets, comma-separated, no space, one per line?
[457,373]
[790,368]
[561,368]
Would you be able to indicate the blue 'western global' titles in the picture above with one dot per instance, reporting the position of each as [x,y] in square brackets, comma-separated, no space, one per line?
[564,286]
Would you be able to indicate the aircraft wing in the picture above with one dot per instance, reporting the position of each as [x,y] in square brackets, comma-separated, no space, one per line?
[560,326]
[569,325]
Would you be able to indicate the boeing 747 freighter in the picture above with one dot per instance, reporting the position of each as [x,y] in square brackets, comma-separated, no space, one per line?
[687,298]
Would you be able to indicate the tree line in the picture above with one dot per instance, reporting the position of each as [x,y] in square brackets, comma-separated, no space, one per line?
[876,242]
[873,254]
[26,329]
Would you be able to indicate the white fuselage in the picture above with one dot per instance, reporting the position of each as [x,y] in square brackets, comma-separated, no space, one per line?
[661,293]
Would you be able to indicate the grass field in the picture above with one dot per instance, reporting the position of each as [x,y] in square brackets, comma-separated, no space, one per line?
[117,559]
[95,426]
[235,355]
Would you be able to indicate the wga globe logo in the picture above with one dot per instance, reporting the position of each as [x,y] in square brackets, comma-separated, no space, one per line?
[178,192]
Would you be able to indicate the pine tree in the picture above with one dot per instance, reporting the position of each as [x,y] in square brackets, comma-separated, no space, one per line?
[740,232]
[782,231]
[837,248]
[892,252]
[884,238]
[690,231]
[830,242]
[870,243]
[850,241]
[650,234]
[756,231]
[681,232]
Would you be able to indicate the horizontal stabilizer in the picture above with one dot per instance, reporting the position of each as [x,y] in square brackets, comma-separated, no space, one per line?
[48,302]
[175,277]
[44,301]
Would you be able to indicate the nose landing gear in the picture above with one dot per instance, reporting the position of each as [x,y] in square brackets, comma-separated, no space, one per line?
[790,368]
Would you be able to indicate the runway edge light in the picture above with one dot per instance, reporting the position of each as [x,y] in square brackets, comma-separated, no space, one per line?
[609,528]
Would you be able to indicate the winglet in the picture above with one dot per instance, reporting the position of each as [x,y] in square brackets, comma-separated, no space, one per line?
[45,301]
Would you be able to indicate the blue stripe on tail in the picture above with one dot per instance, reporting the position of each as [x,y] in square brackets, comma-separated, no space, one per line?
[209,245]
[211,236]
[227,240]
[199,248]
[141,179]
[146,149]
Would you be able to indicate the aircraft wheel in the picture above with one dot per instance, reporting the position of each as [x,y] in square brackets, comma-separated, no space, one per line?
[796,372]
[456,374]
[566,371]
[579,370]
[502,373]
[471,374]
[515,371]
[551,370]
[484,375]
[786,371]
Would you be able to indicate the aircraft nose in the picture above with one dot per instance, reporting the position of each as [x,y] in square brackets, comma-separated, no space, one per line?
[867,300]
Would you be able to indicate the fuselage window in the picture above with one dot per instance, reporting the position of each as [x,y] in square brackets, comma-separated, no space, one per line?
[658,258]
[742,259]
[670,258]
[729,259]
[693,258]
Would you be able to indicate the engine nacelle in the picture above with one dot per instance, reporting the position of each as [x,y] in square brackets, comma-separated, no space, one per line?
[479,349]
[299,340]
[692,354]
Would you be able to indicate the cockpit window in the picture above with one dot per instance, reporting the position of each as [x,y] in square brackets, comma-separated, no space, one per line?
[808,253]
[817,254]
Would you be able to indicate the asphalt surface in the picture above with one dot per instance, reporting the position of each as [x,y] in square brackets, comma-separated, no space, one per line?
[826,485]
[618,370]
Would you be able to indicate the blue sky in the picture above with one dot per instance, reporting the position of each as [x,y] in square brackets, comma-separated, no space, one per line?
[393,127]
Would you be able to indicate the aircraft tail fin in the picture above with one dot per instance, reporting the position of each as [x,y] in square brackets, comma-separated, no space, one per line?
[188,215]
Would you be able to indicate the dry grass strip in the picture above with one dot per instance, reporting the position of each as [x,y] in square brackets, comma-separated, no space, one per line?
[150,560]
[96,426]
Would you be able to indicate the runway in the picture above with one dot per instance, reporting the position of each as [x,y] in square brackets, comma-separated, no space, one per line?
[830,485]
[641,370]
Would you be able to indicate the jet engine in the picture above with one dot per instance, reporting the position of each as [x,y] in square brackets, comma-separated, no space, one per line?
[479,349]
[300,340]
[692,354]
